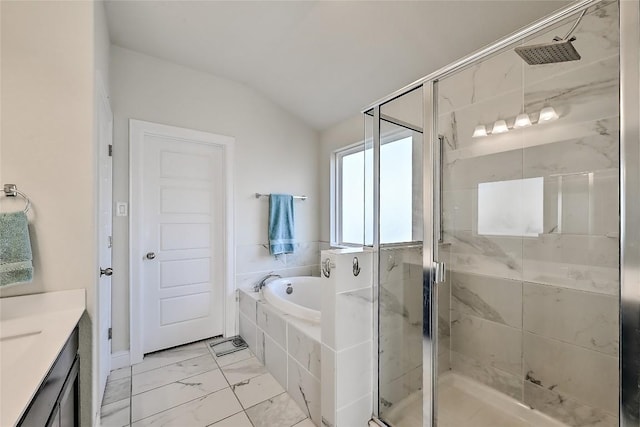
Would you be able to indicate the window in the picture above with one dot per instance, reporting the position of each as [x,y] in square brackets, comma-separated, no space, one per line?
[349,196]
[353,216]
[396,191]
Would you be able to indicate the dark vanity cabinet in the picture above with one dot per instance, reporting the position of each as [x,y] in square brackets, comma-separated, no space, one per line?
[56,404]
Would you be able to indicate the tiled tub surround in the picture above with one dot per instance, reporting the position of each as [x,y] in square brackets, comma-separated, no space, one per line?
[536,317]
[347,359]
[254,262]
[288,347]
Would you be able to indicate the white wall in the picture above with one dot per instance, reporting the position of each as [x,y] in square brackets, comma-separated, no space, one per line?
[47,149]
[102,45]
[275,152]
[343,134]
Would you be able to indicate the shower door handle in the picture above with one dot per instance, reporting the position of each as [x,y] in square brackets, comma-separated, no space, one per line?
[440,272]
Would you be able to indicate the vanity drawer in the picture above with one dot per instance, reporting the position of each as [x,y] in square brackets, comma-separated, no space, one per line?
[43,404]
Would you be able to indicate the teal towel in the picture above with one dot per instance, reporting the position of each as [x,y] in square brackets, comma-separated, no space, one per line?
[15,249]
[281,226]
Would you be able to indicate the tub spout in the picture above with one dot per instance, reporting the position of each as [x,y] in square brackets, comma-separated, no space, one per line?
[262,282]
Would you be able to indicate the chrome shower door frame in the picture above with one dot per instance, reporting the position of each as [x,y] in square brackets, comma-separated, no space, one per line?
[629,212]
[430,198]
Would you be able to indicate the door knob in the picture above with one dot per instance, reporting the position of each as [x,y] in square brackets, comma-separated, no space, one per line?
[106,271]
[150,255]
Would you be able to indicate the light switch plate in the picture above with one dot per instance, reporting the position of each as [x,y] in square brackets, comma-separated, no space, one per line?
[122,209]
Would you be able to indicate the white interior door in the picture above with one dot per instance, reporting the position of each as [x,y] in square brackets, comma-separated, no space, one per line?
[104,129]
[183,245]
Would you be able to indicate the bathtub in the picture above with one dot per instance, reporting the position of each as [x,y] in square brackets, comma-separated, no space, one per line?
[304,301]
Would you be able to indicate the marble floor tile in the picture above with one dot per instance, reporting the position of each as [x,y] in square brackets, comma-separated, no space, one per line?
[238,420]
[257,389]
[231,358]
[117,390]
[118,374]
[279,411]
[162,398]
[116,414]
[199,412]
[167,357]
[243,370]
[148,380]
[170,394]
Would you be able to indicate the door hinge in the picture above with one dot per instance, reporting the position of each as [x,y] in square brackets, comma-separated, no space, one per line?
[110,150]
[110,333]
[110,242]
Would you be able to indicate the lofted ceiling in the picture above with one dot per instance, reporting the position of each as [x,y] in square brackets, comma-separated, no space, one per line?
[321,60]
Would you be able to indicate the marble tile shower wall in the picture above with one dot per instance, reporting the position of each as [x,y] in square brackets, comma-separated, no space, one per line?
[254,261]
[400,324]
[537,317]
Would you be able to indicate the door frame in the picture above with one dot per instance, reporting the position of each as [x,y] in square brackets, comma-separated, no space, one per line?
[101,101]
[137,130]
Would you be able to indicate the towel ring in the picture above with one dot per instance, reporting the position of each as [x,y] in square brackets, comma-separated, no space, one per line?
[10,190]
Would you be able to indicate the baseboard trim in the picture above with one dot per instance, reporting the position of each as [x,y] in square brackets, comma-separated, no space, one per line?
[121,359]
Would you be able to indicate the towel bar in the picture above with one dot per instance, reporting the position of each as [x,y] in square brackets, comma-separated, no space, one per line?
[11,190]
[258,195]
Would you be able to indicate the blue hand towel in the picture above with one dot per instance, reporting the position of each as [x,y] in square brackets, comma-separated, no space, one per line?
[15,249]
[281,226]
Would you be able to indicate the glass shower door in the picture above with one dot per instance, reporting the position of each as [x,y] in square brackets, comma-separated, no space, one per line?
[400,241]
[530,235]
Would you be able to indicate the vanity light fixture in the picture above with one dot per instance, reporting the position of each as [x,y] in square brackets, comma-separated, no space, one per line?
[522,121]
[547,114]
[479,131]
[500,126]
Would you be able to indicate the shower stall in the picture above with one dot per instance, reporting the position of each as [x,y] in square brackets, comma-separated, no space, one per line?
[509,294]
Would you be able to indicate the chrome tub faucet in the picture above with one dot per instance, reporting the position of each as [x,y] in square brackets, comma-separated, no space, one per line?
[262,282]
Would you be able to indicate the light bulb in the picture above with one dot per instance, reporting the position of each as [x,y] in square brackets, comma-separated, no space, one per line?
[522,121]
[500,126]
[479,131]
[547,114]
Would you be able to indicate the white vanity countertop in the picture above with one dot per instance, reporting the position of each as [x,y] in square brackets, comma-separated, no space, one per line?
[33,331]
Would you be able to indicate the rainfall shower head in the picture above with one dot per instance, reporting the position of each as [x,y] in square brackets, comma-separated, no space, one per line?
[548,53]
[559,50]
